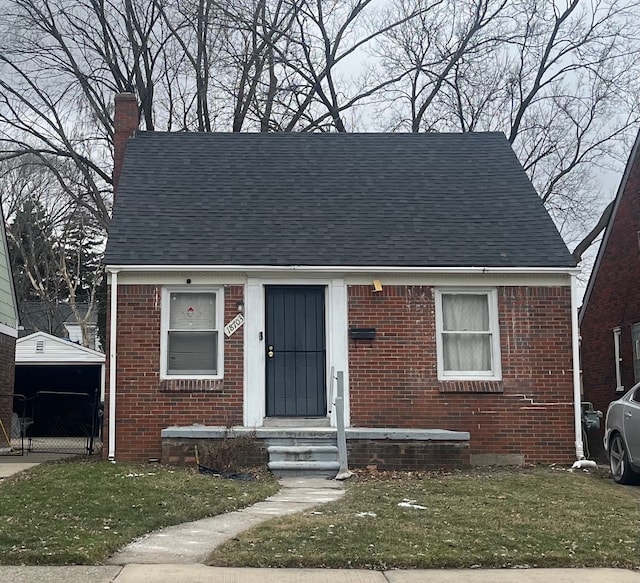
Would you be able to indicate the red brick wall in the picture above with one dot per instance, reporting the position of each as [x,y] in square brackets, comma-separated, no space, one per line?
[145,405]
[393,379]
[7,378]
[614,301]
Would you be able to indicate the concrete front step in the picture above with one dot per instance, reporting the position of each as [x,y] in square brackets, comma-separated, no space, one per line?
[288,469]
[300,453]
[296,422]
[303,460]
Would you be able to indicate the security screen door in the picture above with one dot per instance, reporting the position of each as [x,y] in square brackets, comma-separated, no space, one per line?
[296,351]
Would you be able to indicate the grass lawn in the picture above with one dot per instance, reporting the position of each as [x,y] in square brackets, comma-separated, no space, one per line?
[539,517]
[81,512]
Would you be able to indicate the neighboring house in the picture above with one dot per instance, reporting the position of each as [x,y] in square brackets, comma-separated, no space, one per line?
[244,268]
[56,378]
[610,314]
[58,320]
[8,334]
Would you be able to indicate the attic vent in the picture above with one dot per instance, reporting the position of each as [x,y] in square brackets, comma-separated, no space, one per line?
[39,345]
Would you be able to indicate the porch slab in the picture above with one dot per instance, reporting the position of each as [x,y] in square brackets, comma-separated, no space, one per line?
[356,433]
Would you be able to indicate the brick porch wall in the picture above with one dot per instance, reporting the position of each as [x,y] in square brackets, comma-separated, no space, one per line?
[7,379]
[362,453]
[145,405]
[393,379]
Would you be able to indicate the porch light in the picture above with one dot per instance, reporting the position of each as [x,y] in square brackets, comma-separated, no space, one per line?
[240,306]
[377,285]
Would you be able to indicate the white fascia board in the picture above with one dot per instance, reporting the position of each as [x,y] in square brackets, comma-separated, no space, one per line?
[8,330]
[341,269]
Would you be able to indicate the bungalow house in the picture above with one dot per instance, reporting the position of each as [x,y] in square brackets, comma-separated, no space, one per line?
[610,314]
[246,268]
[8,335]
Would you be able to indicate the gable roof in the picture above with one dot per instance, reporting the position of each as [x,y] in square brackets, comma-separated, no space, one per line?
[634,158]
[451,200]
[43,348]
[8,302]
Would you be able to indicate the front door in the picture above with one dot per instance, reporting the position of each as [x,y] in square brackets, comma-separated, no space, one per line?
[296,349]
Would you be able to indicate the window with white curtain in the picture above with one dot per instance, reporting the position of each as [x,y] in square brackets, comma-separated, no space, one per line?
[191,343]
[468,341]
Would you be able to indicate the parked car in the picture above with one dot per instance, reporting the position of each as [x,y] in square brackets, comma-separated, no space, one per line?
[622,437]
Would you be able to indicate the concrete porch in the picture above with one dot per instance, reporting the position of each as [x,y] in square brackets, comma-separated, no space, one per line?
[289,451]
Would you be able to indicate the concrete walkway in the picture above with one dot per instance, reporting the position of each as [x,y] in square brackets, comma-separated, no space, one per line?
[12,464]
[193,542]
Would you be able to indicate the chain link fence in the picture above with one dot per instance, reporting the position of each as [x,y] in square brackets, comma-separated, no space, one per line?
[52,422]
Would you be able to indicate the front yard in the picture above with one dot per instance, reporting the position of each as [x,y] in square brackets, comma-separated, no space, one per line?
[81,512]
[541,517]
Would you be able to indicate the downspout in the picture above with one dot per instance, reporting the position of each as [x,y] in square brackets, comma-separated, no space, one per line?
[112,365]
[577,394]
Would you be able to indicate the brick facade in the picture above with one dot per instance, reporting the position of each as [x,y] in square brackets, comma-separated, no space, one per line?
[145,404]
[393,379]
[614,301]
[528,415]
[7,379]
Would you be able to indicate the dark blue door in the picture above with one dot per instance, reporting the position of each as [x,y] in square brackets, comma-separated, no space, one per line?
[295,343]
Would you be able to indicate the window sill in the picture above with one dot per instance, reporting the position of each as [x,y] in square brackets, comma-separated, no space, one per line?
[471,386]
[191,385]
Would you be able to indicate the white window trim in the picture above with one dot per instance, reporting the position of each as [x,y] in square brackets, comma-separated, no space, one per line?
[164,327]
[635,328]
[617,333]
[496,363]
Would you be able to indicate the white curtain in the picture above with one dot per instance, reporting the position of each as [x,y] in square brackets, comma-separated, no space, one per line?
[466,332]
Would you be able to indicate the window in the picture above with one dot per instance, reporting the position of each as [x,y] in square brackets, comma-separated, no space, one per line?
[617,333]
[468,341]
[635,339]
[191,343]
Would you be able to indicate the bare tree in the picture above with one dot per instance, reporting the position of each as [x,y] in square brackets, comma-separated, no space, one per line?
[54,245]
[558,78]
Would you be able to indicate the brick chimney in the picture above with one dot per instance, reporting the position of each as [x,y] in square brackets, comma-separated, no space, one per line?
[125,122]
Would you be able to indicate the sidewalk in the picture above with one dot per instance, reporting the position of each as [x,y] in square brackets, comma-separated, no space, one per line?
[203,574]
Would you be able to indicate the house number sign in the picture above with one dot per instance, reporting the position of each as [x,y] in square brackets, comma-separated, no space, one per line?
[234,325]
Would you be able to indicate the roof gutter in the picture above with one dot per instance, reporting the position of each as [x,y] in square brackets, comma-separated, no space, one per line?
[112,362]
[347,269]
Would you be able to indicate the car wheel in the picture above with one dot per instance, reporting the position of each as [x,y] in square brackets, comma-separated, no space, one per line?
[621,471]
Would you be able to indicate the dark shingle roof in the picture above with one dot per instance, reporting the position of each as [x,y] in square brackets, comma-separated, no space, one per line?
[329,199]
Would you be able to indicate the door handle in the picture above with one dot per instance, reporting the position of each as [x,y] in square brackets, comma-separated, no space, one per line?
[270,352]
[627,414]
